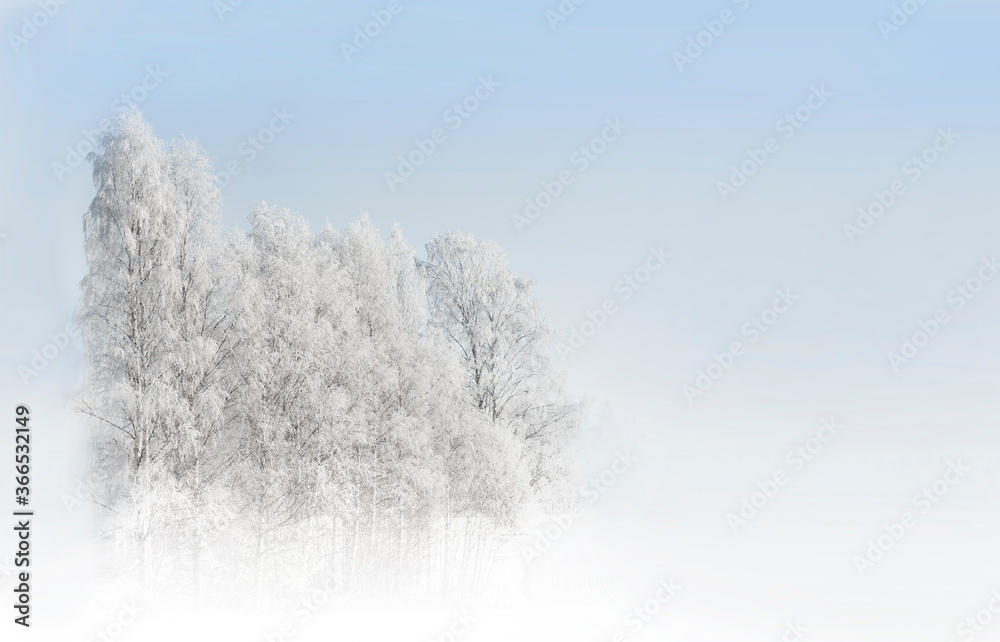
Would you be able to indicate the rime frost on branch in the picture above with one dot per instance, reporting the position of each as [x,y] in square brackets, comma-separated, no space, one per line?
[279,404]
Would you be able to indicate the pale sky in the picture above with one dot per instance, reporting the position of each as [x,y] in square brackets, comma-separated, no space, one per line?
[886,95]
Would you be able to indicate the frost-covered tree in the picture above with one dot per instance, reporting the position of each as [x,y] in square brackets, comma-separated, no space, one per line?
[155,320]
[133,244]
[286,364]
[133,241]
[280,394]
[394,397]
[494,323]
[202,340]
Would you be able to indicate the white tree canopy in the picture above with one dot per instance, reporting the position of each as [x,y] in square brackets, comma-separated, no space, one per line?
[281,390]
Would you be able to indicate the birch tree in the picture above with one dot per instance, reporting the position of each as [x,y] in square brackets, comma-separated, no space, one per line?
[201,340]
[285,397]
[279,394]
[494,324]
[134,240]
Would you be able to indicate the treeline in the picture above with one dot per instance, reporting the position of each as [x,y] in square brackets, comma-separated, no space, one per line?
[277,405]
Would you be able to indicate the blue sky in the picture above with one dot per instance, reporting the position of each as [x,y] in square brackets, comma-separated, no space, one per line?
[655,185]
[222,78]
